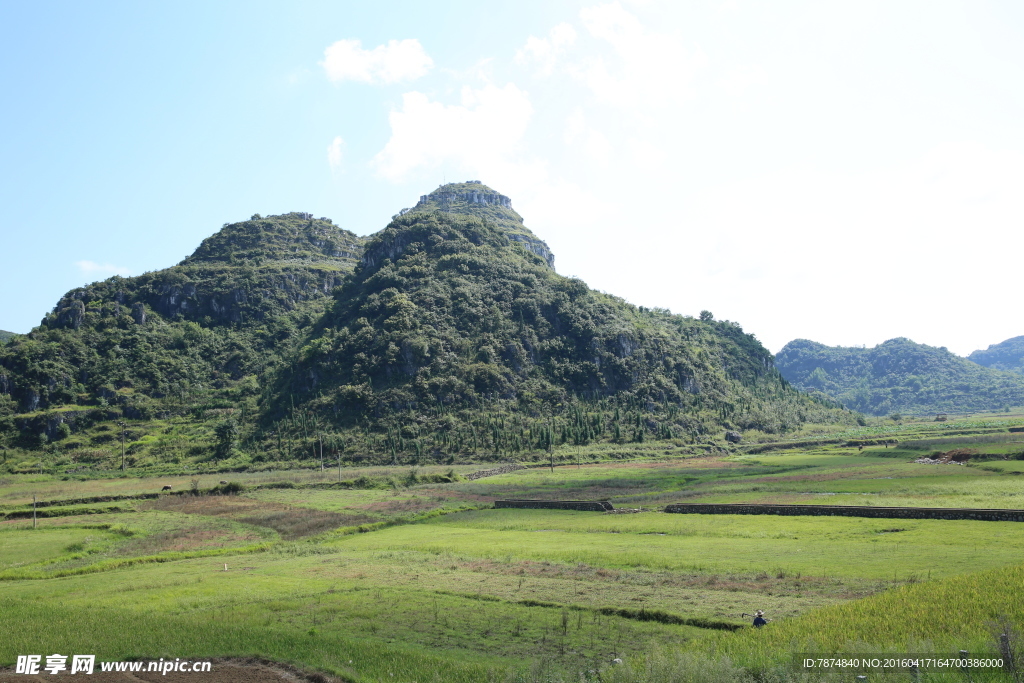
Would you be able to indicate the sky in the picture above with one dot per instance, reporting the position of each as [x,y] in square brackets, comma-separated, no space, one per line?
[846,172]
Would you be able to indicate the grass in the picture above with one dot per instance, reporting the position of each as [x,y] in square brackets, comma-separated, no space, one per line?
[530,595]
[961,612]
[737,544]
[18,489]
[18,548]
[294,594]
[121,540]
[118,634]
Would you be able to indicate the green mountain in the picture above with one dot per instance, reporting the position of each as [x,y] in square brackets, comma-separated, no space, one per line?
[447,334]
[898,376]
[455,335]
[1007,355]
[4,336]
[212,324]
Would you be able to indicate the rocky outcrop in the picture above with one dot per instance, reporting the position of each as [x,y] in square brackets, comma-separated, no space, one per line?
[536,246]
[71,314]
[469,197]
[495,471]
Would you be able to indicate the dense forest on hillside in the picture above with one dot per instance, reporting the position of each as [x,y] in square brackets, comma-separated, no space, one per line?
[898,376]
[451,337]
[223,314]
[4,336]
[446,335]
[1006,355]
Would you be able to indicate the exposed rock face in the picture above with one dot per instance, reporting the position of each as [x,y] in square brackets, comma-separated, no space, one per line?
[536,246]
[71,313]
[139,313]
[471,197]
[733,437]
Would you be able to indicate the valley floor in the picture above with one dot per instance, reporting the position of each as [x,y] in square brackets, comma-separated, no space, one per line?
[426,582]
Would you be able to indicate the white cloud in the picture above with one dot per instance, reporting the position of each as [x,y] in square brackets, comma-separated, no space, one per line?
[592,141]
[545,51]
[93,269]
[741,79]
[334,153]
[917,236]
[647,157]
[398,60]
[651,68]
[482,134]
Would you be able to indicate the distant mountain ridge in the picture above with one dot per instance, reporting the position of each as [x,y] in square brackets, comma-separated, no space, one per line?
[898,375]
[4,336]
[1006,355]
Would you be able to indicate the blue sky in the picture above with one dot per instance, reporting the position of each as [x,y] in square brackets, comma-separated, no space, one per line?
[846,172]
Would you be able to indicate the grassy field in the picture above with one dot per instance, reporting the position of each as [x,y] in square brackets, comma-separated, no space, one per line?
[18,489]
[410,581]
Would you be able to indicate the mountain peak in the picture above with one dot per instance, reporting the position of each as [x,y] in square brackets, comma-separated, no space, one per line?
[290,237]
[473,198]
[470,192]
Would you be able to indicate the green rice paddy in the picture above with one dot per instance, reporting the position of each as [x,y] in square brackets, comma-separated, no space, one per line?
[420,581]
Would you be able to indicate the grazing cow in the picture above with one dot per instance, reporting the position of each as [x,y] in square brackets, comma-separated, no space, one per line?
[166,488]
[223,482]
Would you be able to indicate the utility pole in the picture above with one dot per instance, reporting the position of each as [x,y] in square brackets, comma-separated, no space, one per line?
[122,425]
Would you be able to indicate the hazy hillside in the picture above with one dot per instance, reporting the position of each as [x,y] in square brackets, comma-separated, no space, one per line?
[1007,355]
[898,376]
[4,336]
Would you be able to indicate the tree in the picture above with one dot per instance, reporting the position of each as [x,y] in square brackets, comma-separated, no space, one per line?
[227,437]
[707,316]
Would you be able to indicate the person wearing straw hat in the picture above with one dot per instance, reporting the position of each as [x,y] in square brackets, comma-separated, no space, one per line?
[759,619]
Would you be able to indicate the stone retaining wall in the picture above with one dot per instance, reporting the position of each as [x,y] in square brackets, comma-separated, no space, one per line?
[849,511]
[494,471]
[584,505]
